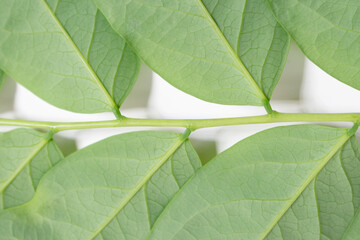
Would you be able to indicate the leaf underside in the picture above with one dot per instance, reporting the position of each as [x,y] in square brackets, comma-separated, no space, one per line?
[25,156]
[114,189]
[294,182]
[329,206]
[66,53]
[255,36]
[268,183]
[328,32]
[184,43]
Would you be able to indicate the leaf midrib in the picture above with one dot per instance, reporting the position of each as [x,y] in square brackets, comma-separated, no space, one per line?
[82,58]
[311,177]
[234,55]
[139,185]
[31,156]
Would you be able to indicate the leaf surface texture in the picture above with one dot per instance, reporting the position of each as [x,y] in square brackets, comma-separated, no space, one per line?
[114,189]
[255,36]
[327,31]
[25,156]
[66,53]
[265,184]
[219,51]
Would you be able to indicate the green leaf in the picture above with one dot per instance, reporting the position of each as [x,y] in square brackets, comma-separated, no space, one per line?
[328,32]
[329,207]
[2,78]
[249,189]
[182,42]
[66,53]
[353,232]
[255,36]
[114,189]
[25,156]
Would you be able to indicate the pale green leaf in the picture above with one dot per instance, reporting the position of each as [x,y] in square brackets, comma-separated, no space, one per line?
[66,53]
[255,36]
[327,31]
[244,192]
[114,189]
[182,42]
[329,207]
[353,230]
[25,156]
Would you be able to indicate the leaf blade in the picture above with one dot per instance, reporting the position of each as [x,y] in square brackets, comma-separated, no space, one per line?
[231,51]
[255,37]
[106,53]
[327,33]
[352,232]
[25,156]
[335,196]
[247,212]
[137,218]
[50,59]
[146,178]
[183,55]
[78,188]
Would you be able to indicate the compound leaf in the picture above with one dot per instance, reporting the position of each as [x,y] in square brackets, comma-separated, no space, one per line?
[114,189]
[328,32]
[228,52]
[290,181]
[66,53]
[25,156]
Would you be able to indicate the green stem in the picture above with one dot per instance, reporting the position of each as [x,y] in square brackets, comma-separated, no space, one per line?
[117,113]
[192,124]
[267,106]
